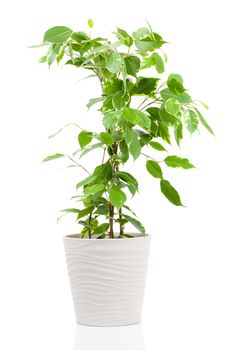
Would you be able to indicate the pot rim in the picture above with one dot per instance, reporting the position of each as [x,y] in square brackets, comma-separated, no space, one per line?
[137,236]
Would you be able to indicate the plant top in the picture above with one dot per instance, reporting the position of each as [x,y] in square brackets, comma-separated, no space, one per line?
[138,112]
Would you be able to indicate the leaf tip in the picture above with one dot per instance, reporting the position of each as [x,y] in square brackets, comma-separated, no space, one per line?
[90,23]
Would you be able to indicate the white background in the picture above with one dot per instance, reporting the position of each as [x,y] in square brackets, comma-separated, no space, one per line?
[194,289]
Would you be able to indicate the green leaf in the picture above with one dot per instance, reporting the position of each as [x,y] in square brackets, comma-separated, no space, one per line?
[124,37]
[89,190]
[90,23]
[137,117]
[144,137]
[93,101]
[154,169]
[110,119]
[57,35]
[145,86]
[52,157]
[133,189]
[178,133]
[204,122]
[172,106]
[51,58]
[99,50]
[203,104]
[43,59]
[163,132]
[120,100]
[132,65]
[102,210]
[178,162]
[80,37]
[117,197]
[191,120]
[175,84]
[125,80]
[170,192]
[182,98]
[104,171]
[153,129]
[53,51]
[60,56]
[157,146]
[106,138]
[133,143]
[127,235]
[166,117]
[141,33]
[114,62]
[72,210]
[84,212]
[134,147]
[148,62]
[137,224]
[86,181]
[84,223]
[77,62]
[154,60]
[159,64]
[101,228]
[154,112]
[130,210]
[145,40]
[124,151]
[90,148]
[123,175]
[112,86]
[84,138]
[108,104]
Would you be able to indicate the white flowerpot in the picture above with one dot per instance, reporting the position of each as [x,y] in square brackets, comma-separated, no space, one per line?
[107,278]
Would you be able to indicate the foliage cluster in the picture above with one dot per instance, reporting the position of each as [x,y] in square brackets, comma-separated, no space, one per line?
[137,111]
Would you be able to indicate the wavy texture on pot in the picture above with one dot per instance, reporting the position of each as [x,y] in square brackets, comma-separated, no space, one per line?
[141,112]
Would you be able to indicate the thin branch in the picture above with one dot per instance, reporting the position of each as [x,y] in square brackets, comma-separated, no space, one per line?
[159,87]
[66,125]
[104,151]
[147,156]
[146,99]
[81,166]
[143,102]
[152,102]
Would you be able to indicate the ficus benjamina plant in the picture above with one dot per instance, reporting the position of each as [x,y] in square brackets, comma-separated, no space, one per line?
[139,110]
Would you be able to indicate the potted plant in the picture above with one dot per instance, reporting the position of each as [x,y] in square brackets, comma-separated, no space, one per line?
[140,110]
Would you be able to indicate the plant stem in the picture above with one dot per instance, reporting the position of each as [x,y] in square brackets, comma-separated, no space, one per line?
[111,215]
[120,212]
[111,207]
[89,229]
[121,228]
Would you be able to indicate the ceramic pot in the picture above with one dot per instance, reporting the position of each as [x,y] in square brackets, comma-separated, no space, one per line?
[107,278]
